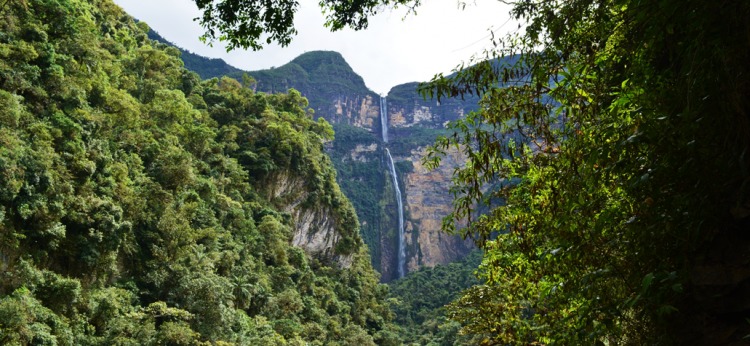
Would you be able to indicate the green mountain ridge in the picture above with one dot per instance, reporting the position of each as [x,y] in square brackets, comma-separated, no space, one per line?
[322,76]
[206,68]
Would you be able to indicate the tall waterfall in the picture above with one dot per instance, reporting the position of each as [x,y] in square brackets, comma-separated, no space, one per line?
[384,118]
[392,168]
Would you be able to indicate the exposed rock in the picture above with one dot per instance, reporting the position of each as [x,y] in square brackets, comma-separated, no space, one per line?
[419,115]
[336,93]
[355,110]
[427,202]
[315,232]
[361,152]
[406,108]
[396,118]
[314,227]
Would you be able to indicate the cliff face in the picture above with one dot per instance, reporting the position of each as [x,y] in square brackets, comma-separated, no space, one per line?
[334,90]
[356,110]
[406,108]
[314,224]
[428,202]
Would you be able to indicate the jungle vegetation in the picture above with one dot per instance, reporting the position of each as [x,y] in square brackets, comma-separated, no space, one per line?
[137,201]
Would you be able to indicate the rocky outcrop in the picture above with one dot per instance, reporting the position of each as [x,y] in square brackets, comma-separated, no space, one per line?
[406,108]
[359,111]
[362,152]
[434,115]
[427,203]
[314,224]
[334,90]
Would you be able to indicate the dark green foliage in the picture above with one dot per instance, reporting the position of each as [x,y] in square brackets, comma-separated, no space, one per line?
[206,68]
[629,179]
[349,137]
[243,23]
[362,180]
[405,139]
[321,76]
[422,296]
[140,205]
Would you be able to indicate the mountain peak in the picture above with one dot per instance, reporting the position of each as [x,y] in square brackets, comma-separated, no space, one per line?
[311,60]
[321,76]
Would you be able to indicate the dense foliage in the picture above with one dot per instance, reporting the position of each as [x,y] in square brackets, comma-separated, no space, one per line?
[322,76]
[626,198]
[206,68]
[361,178]
[421,298]
[622,213]
[251,24]
[405,139]
[140,205]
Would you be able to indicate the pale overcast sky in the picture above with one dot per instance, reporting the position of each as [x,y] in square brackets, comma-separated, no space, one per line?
[391,51]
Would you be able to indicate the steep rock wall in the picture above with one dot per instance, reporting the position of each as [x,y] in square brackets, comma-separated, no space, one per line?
[427,203]
[356,110]
[406,108]
[314,224]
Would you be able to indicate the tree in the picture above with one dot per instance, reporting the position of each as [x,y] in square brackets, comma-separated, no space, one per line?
[137,202]
[615,147]
[245,23]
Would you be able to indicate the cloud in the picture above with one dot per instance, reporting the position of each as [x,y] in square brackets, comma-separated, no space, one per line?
[396,48]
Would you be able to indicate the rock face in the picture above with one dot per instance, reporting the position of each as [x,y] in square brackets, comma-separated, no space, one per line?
[337,94]
[406,108]
[361,152]
[314,226]
[428,202]
[359,111]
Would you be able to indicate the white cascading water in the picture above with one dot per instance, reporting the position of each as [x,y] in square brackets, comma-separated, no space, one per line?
[384,118]
[392,168]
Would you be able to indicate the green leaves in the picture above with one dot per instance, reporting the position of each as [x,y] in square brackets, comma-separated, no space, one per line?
[249,24]
[593,153]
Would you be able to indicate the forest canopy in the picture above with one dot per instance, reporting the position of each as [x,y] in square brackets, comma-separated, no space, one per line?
[141,205]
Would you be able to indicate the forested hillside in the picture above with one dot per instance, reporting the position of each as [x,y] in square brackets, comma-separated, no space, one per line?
[140,205]
[421,298]
[206,68]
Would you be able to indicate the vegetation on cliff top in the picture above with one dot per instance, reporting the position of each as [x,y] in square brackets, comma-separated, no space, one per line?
[322,76]
[136,200]
[206,68]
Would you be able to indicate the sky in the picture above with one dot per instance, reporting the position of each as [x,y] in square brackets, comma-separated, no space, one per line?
[396,48]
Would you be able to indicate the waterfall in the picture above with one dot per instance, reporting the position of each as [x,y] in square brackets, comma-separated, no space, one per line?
[399,202]
[384,118]
[401,240]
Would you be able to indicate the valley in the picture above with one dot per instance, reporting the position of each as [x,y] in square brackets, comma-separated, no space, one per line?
[398,127]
